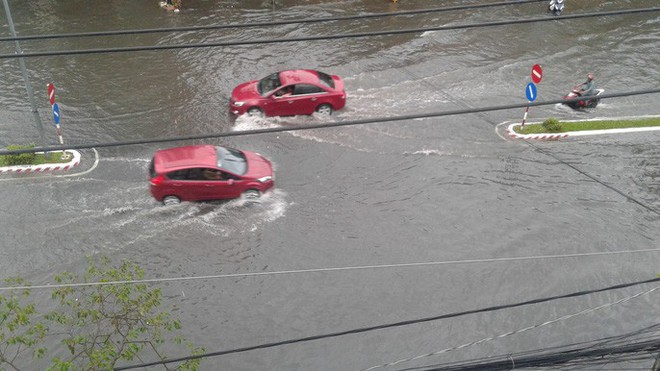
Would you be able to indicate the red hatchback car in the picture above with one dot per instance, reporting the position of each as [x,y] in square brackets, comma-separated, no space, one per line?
[289,93]
[207,172]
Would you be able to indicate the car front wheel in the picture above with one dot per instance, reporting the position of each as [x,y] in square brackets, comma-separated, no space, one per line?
[251,194]
[171,200]
[255,112]
[324,109]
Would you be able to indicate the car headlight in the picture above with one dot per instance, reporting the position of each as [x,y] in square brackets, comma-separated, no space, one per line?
[264,179]
[239,104]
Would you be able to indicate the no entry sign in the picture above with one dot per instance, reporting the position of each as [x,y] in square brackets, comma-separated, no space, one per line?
[51,93]
[537,73]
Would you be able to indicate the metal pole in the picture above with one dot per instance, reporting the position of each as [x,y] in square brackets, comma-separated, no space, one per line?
[28,87]
[524,118]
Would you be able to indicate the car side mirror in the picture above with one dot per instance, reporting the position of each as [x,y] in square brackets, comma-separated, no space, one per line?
[230,182]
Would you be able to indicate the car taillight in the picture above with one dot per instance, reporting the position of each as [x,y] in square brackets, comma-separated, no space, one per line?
[157,180]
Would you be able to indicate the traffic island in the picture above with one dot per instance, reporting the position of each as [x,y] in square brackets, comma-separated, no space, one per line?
[70,162]
[553,130]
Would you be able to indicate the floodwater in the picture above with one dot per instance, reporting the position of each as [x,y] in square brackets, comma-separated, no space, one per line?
[491,221]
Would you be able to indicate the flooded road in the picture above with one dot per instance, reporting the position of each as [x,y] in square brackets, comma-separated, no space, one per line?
[435,216]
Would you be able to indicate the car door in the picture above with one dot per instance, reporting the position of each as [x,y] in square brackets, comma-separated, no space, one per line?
[197,186]
[281,102]
[176,184]
[306,98]
[220,185]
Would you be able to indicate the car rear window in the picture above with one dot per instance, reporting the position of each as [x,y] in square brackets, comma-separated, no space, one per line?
[231,160]
[178,174]
[326,79]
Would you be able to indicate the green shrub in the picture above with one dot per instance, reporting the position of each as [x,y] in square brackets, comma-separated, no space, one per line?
[20,159]
[552,125]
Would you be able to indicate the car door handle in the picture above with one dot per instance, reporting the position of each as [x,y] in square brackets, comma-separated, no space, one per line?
[290,102]
[313,99]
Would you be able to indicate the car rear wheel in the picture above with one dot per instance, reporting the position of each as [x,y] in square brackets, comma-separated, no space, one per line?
[255,112]
[324,109]
[171,200]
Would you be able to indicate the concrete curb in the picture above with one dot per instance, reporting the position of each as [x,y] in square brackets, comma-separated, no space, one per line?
[75,161]
[557,136]
[515,135]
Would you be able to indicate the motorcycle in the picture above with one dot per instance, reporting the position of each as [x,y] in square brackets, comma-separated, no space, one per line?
[556,6]
[590,101]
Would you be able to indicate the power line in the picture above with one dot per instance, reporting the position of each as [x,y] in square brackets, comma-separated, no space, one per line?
[516,332]
[376,120]
[326,37]
[386,326]
[323,270]
[514,361]
[264,24]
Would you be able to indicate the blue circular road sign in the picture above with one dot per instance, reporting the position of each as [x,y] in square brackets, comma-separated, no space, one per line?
[530,91]
[56,113]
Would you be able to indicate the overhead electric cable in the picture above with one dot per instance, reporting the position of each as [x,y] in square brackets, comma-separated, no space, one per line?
[513,361]
[565,352]
[515,332]
[264,24]
[321,270]
[326,37]
[376,120]
[385,326]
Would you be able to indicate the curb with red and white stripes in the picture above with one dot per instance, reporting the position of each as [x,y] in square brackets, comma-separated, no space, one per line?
[75,161]
[544,136]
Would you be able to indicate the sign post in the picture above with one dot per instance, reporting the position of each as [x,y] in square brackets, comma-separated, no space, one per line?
[56,117]
[530,90]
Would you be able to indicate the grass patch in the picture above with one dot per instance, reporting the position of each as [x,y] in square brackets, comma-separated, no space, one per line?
[37,159]
[589,125]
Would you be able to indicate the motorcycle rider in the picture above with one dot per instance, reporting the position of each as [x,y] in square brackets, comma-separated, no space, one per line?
[556,6]
[587,88]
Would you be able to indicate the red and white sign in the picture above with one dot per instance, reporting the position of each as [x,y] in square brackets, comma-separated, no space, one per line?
[537,73]
[51,93]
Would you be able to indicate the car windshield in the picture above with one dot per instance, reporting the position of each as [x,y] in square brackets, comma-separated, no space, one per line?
[231,160]
[326,79]
[269,83]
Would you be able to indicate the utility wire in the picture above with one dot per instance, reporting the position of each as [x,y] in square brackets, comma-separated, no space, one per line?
[376,120]
[389,325]
[516,332]
[264,24]
[613,342]
[323,270]
[510,362]
[326,37]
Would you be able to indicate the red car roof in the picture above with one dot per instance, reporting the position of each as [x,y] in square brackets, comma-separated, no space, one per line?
[182,157]
[299,76]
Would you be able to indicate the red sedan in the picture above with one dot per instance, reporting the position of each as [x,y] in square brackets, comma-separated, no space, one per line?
[289,93]
[206,172]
